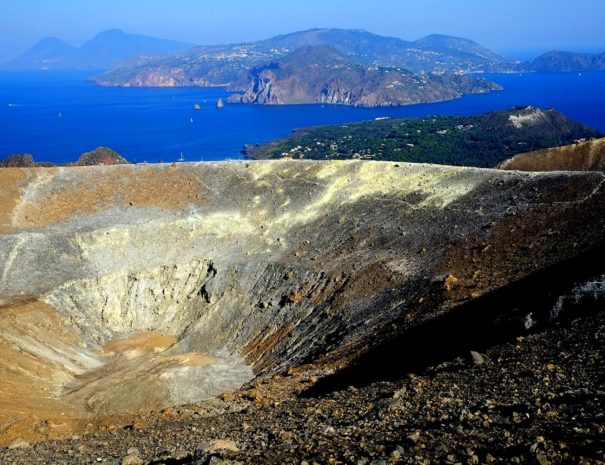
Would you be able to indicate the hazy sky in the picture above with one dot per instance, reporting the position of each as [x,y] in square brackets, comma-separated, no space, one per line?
[503,25]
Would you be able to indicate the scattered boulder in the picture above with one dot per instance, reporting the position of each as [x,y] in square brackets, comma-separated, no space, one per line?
[216,445]
[477,358]
[450,283]
[132,460]
[134,451]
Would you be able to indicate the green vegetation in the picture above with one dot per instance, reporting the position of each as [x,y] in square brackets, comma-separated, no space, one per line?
[481,141]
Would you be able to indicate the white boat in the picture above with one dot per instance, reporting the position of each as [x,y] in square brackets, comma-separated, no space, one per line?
[182,157]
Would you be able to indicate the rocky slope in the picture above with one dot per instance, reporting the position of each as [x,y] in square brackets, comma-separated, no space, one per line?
[582,156]
[126,289]
[321,74]
[470,408]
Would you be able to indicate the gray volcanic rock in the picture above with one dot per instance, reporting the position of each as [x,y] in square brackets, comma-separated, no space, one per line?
[128,287]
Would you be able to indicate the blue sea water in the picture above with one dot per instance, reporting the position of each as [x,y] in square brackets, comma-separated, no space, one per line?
[56,116]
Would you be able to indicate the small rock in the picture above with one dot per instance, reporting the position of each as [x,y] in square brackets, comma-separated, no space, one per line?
[450,282]
[378,462]
[528,321]
[329,430]
[220,461]
[132,460]
[397,453]
[220,444]
[19,444]
[133,451]
[477,358]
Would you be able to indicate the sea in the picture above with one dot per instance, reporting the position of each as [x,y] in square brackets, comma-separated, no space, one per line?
[56,116]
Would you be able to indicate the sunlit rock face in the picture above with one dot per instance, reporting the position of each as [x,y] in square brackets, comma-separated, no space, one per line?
[581,156]
[134,287]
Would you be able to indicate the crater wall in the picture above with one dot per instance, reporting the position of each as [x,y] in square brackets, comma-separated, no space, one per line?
[274,263]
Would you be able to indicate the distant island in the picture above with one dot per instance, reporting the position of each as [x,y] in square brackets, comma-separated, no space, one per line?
[104,51]
[479,141]
[137,60]
[321,74]
[566,62]
[329,66]
[98,156]
[231,65]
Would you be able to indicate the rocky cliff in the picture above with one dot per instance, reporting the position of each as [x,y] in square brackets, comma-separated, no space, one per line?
[136,287]
[320,74]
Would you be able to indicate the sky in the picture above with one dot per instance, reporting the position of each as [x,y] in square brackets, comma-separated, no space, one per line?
[512,27]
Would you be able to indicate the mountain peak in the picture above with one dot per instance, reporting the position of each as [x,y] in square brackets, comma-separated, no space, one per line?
[111,33]
[103,51]
[457,46]
[51,40]
[443,38]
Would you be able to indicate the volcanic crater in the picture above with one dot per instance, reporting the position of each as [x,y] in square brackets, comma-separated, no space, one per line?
[127,289]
